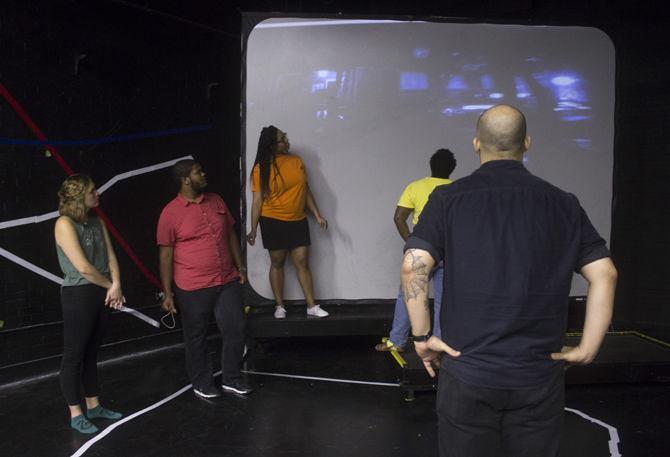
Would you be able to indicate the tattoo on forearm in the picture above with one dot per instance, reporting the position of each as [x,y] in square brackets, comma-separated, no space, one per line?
[416,285]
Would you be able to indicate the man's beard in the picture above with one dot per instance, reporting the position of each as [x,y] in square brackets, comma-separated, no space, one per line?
[198,187]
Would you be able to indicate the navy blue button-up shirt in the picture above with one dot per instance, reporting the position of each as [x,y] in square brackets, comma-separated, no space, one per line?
[510,242]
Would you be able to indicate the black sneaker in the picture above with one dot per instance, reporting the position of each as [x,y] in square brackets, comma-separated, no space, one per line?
[207,392]
[237,386]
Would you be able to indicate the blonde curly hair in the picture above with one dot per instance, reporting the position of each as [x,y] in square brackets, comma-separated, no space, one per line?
[71,197]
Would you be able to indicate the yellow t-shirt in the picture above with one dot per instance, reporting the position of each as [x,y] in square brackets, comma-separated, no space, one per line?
[415,195]
[288,191]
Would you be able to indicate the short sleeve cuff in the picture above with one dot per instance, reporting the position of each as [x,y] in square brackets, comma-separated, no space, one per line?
[597,253]
[164,235]
[417,243]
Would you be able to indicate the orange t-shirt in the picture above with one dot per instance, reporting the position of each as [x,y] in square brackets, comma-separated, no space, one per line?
[288,190]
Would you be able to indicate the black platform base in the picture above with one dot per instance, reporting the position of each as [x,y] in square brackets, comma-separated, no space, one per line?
[625,357]
[344,320]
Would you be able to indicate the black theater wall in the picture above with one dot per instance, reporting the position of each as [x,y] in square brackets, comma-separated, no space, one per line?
[118,86]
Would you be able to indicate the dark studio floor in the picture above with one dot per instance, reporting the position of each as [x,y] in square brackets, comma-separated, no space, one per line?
[302,417]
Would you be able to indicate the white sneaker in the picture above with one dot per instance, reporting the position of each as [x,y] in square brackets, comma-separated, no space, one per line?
[280,312]
[316,311]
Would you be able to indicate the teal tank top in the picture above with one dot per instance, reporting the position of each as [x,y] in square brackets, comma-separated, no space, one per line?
[92,242]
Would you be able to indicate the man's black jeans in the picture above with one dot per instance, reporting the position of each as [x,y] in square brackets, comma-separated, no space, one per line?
[196,308]
[484,422]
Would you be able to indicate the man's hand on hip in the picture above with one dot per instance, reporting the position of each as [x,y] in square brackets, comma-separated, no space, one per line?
[573,355]
[430,353]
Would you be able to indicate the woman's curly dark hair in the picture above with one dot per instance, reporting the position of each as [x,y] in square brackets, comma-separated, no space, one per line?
[71,197]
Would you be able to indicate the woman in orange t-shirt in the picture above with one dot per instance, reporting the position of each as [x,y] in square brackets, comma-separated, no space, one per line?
[280,194]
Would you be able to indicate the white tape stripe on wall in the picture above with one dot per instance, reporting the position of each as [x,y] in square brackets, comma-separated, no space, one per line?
[140,171]
[54,214]
[34,268]
[101,189]
[29,220]
[52,277]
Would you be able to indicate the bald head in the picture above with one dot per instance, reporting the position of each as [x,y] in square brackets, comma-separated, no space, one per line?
[501,131]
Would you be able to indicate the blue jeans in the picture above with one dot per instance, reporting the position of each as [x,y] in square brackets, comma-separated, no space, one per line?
[401,324]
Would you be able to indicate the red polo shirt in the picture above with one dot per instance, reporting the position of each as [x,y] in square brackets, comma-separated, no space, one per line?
[199,234]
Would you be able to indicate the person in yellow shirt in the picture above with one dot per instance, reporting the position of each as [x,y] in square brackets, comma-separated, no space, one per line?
[280,195]
[412,201]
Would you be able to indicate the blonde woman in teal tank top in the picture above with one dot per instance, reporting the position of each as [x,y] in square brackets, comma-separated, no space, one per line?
[91,286]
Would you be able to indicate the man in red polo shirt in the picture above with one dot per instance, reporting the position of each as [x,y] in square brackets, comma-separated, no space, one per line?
[200,252]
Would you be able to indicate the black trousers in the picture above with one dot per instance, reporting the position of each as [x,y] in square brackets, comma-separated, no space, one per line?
[196,308]
[84,323]
[483,422]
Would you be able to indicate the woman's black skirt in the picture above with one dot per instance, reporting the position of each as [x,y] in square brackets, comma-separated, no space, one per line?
[279,235]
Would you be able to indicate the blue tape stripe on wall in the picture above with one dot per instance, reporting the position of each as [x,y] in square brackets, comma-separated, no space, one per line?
[107,139]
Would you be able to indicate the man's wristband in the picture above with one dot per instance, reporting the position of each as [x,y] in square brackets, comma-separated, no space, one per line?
[422,338]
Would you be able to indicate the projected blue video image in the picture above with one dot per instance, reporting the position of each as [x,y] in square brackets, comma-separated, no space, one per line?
[321,79]
[457,84]
[344,94]
[421,53]
[471,90]
[570,97]
[413,81]
[522,88]
[343,78]
[472,87]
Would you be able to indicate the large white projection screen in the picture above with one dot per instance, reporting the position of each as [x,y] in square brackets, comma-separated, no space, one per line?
[366,103]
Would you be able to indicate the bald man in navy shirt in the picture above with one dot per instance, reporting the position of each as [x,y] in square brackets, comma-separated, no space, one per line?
[510,242]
